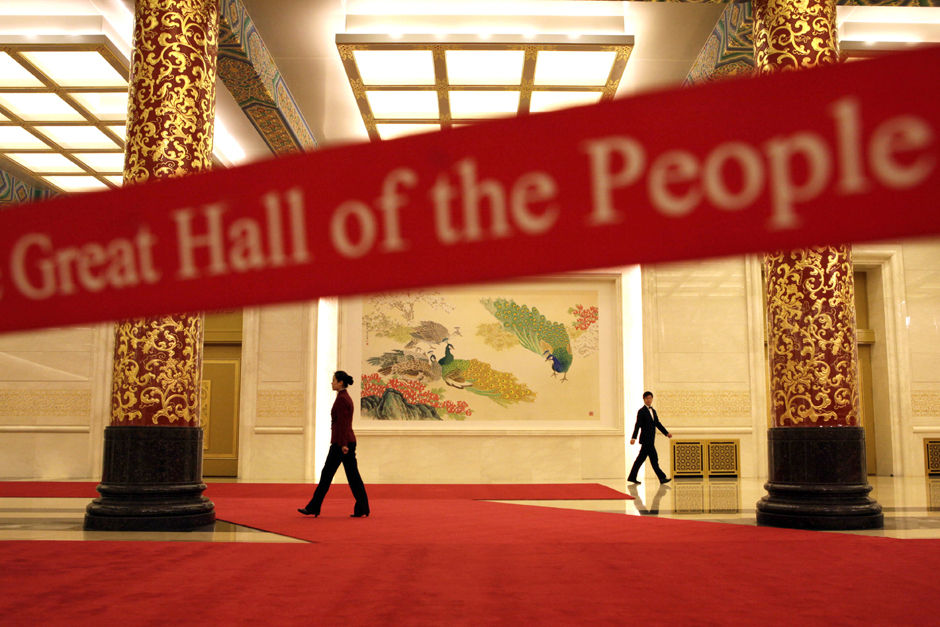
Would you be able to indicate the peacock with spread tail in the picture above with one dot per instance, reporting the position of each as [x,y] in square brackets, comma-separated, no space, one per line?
[535,332]
[480,378]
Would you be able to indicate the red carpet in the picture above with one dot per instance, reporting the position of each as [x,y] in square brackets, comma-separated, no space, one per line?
[627,569]
[420,561]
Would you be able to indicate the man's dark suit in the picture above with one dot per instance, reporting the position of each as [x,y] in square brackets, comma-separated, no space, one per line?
[647,421]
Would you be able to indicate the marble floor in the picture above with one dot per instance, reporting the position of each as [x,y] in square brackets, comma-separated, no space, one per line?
[911,507]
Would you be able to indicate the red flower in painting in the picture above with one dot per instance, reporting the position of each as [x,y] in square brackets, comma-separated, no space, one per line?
[585,316]
[414,392]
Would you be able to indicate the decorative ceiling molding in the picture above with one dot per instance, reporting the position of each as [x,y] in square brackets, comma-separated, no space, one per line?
[888,3]
[14,190]
[250,74]
[729,50]
[848,3]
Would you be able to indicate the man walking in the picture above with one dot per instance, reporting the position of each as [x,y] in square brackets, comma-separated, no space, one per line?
[646,424]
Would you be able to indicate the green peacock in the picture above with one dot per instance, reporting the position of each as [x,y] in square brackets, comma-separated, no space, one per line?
[535,332]
[480,378]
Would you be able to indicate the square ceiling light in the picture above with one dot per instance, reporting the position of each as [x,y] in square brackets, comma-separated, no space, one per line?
[408,105]
[395,67]
[474,105]
[552,100]
[80,137]
[63,104]
[391,131]
[484,67]
[414,83]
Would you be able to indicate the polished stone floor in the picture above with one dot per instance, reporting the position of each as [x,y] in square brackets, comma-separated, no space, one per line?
[911,507]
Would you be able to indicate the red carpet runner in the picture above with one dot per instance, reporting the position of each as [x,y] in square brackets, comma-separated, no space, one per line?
[457,561]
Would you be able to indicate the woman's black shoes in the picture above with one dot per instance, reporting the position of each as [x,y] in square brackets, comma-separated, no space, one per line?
[306,512]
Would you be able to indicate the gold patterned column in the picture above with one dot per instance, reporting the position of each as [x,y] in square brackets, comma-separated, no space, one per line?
[817,475]
[813,353]
[152,476]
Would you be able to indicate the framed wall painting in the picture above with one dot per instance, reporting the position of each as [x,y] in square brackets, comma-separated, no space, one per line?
[529,355]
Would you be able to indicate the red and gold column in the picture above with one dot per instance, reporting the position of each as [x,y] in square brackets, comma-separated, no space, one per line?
[152,476]
[816,448]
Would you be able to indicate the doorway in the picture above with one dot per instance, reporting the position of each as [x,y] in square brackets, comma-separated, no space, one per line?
[865,336]
[221,377]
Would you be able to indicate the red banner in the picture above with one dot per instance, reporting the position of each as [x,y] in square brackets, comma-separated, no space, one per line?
[831,155]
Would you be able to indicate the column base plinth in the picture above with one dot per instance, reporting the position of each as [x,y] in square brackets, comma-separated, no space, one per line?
[152,481]
[818,480]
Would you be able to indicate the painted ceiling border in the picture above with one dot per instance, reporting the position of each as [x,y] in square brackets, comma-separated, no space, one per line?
[248,71]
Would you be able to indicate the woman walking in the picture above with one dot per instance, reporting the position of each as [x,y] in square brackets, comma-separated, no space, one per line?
[342,451]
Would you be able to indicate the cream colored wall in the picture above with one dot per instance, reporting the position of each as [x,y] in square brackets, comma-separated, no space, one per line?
[277,395]
[489,457]
[922,322]
[703,355]
[54,400]
[704,352]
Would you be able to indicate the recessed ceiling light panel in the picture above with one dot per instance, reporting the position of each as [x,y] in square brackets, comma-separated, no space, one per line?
[77,137]
[12,74]
[475,78]
[391,131]
[17,138]
[395,67]
[120,130]
[485,67]
[409,105]
[71,184]
[43,162]
[76,68]
[39,107]
[109,106]
[552,100]
[483,104]
[64,103]
[575,67]
[102,161]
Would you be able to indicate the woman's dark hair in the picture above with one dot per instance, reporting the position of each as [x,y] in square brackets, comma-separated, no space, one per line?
[343,377]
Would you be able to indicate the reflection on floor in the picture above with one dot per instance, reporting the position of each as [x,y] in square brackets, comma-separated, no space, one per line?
[911,507]
[62,519]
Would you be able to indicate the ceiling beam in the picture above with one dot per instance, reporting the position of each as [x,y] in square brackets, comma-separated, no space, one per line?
[250,74]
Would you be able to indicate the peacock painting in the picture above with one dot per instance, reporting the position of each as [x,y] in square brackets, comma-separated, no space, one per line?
[466,354]
[535,332]
[481,378]
[408,364]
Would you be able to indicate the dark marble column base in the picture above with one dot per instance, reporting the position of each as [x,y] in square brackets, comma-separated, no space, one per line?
[152,481]
[818,480]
